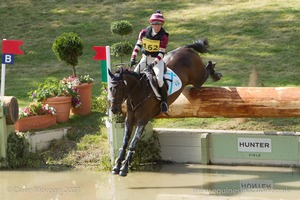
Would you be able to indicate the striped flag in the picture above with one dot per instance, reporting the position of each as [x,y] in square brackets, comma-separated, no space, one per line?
[101,54]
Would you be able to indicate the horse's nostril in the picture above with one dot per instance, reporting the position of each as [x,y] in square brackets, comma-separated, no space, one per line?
[113,110]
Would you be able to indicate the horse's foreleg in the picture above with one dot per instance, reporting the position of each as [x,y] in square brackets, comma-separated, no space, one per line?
[122,151]
[137,136]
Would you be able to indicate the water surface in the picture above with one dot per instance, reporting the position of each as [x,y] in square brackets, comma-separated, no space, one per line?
[176,181]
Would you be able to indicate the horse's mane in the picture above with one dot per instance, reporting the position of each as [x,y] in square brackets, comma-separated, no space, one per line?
[128,71]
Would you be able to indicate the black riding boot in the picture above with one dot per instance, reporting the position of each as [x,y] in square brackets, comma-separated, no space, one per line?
[164,96]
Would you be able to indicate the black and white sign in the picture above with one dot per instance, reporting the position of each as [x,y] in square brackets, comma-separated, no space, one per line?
[255,145]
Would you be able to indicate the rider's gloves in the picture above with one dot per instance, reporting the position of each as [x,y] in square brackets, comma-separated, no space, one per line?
[151,65]
[132,62]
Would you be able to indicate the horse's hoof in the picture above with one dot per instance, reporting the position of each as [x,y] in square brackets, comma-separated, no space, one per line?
[115,170]
[123,172]
[216,76]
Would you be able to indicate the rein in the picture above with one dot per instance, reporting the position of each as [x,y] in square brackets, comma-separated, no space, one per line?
[128,93]
[133,89]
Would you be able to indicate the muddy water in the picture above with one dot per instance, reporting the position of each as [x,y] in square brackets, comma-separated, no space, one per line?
[172,182]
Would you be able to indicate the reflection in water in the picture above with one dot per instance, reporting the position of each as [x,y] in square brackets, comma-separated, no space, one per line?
[169,182]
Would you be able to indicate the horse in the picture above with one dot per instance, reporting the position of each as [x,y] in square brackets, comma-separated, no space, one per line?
[141,103]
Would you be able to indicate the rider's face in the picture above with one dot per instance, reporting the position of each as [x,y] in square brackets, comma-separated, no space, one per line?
[156,27]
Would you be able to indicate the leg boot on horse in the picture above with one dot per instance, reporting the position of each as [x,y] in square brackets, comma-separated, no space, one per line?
[124,168]
[119,160]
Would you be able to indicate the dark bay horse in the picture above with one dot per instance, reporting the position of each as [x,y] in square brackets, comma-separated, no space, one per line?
[142,104]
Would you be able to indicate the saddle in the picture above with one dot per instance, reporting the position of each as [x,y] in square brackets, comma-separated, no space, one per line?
[171,80]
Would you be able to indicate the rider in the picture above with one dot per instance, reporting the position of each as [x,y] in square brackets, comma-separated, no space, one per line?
[153,41]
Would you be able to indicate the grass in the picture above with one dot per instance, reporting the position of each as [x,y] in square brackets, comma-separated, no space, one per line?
[243,35]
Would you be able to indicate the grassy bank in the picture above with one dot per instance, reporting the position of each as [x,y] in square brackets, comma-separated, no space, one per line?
[244,35]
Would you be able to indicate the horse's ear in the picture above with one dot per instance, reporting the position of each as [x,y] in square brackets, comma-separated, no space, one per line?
[110,74]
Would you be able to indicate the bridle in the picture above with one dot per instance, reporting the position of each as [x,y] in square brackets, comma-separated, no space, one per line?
[118,97]
[123,93]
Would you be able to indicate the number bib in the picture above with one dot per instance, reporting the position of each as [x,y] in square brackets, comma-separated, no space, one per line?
[151,45]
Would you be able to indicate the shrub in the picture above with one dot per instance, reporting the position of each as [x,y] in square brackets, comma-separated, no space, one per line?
[54,88]
[68,47]
[122,27]
[121,49]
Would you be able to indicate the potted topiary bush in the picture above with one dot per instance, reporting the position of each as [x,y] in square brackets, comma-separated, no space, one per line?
[121,48]
[68,47]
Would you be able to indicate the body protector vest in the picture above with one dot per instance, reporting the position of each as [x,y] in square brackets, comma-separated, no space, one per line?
[151,44]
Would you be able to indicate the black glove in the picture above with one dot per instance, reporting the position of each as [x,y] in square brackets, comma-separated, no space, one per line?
[151,65]
[132,62]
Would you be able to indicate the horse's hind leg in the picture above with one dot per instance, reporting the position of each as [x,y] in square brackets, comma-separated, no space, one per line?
[122,151]
[210,69]
[137,136]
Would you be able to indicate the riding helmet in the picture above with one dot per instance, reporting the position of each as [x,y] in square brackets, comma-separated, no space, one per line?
[157,18]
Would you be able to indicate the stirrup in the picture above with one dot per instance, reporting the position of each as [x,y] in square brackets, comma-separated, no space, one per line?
[164,107]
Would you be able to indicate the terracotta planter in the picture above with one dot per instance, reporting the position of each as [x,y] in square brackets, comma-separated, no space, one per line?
[85,92]
[62,106]
[35,122]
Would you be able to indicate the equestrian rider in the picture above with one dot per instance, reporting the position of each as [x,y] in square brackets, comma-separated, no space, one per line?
[153,41]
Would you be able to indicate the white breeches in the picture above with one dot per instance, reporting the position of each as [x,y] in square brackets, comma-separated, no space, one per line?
[158,68]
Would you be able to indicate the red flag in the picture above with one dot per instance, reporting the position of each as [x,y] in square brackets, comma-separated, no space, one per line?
[12,46]
[100,52]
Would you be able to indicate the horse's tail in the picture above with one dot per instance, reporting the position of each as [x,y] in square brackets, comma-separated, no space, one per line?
[200,45]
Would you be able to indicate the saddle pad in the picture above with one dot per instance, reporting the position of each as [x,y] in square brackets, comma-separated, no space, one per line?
[174,82]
